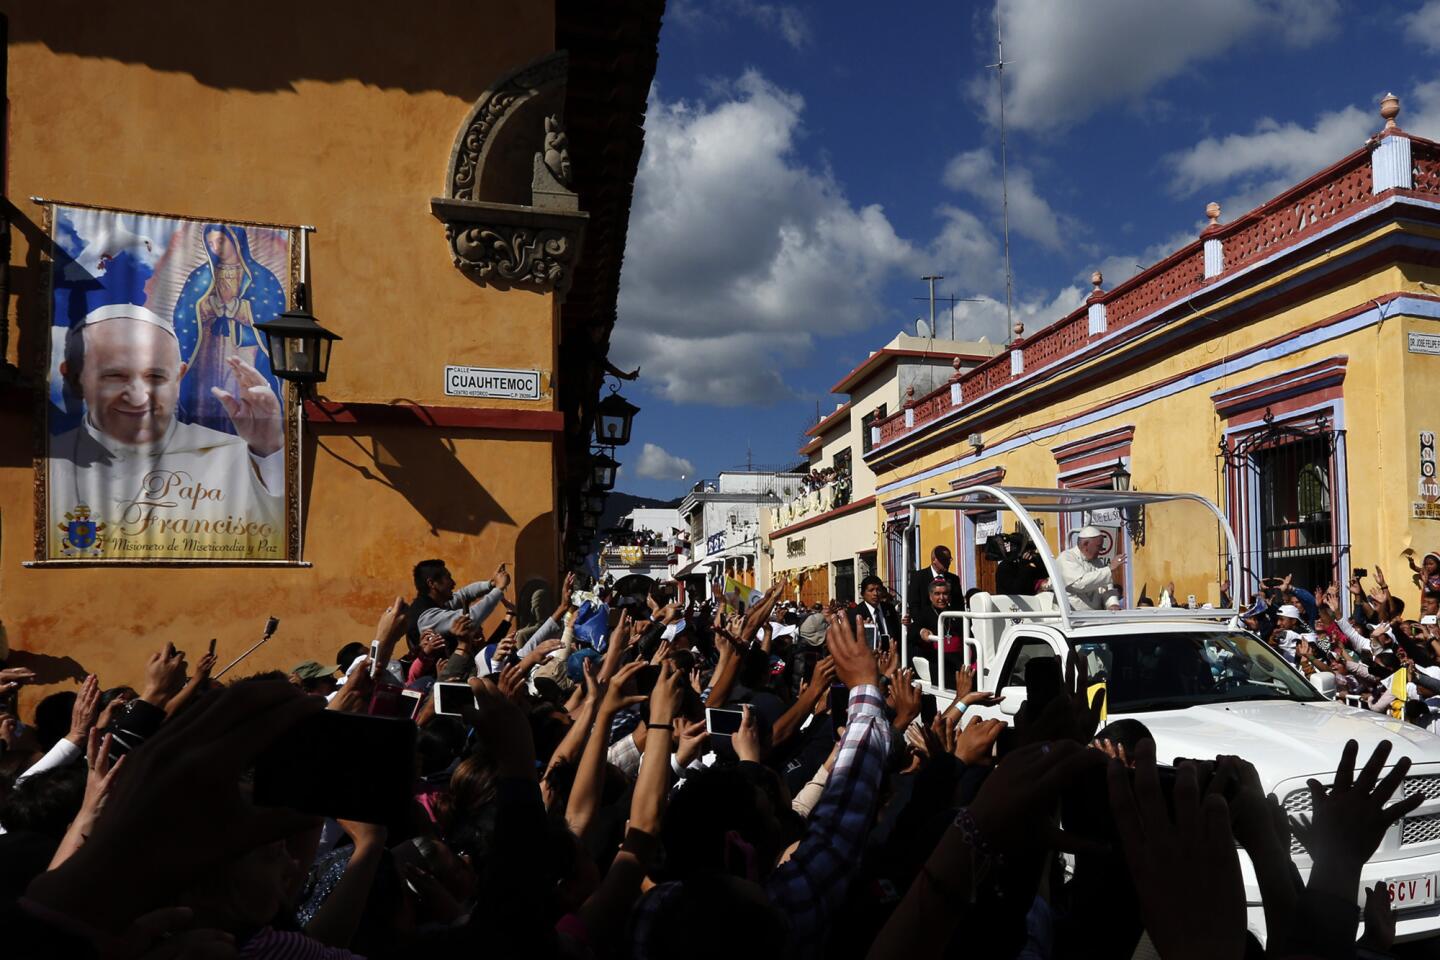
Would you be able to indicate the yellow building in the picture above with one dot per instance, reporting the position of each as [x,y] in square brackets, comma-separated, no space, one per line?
[823,541]
[1283,364]
[467,171]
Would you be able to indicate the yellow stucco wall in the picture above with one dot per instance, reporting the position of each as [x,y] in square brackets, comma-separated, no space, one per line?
[1388,398]
[296,114]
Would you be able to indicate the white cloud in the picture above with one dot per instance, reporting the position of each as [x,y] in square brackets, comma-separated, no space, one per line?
[657,463]
[1423,25]
[1254,167]
[975,172]
[784,19]
[1072,59]
[986,318]
[738,252]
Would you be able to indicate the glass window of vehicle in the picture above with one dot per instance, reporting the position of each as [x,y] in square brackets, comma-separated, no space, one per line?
[1025,650]
[1170,671]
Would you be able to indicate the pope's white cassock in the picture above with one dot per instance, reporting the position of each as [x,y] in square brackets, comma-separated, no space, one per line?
[195,484]
[1089,583]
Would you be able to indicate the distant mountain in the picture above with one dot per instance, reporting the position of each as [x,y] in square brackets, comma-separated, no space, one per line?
[619,504]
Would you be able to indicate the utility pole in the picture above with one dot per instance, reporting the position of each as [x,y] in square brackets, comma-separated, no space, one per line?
[932,303]
[999,66]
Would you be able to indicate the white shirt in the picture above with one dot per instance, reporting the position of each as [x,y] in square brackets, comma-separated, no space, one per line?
[1088,582]
[196,493]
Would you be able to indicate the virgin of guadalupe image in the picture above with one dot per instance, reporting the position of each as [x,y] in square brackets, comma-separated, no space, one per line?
[219,305]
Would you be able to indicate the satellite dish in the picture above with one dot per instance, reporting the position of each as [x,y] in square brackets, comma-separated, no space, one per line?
[922,329]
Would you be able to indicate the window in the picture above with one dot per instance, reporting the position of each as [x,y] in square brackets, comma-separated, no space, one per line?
[841,493]
[868,421]
[1025,650]
[1296,534]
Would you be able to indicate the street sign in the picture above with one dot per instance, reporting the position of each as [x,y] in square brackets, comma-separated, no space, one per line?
[491,382]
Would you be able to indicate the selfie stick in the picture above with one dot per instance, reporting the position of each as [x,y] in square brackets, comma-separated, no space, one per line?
[270,626]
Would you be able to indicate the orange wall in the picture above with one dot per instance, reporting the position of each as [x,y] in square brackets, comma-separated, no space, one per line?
[300,114]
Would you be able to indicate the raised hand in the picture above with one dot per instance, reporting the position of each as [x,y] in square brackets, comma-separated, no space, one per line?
[854,664]
[666,697]
[1349,819]
[431,642]
[746,740]
[178,810]
[84,712]
[1198,836]
[906,699]
[1015,807]
[975,742]
[692,739]
[614,698]
[502,578]
[164,675]
[253,409]
[17,675]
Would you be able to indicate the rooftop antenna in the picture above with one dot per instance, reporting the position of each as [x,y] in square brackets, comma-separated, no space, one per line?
[931,281]
[999,66]
[951,299]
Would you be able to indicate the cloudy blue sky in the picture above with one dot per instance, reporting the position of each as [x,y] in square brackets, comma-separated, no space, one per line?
[805,163]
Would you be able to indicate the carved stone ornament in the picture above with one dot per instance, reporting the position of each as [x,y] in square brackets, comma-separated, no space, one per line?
[511,246]
[511,216]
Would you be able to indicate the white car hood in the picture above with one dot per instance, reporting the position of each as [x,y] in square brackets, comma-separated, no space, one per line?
[1283,739]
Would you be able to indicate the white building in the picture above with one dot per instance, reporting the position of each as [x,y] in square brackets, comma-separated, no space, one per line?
[823,539]
[643,542]
[723,518]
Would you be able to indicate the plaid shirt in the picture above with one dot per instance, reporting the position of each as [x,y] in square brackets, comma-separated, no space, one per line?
[812,884]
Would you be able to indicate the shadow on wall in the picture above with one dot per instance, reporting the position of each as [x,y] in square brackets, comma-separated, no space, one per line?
[271,44]
[48,669]
[535,551]
[418,463]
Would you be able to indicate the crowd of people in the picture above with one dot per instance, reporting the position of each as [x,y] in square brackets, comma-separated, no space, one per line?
[664,777]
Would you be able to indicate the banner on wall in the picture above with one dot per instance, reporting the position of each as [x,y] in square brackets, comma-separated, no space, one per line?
[168,436]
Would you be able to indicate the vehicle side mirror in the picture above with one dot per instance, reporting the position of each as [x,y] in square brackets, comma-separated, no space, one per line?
[1324,683]
[1012,699]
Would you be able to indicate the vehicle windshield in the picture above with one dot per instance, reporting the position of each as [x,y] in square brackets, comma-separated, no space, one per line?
[1169,671]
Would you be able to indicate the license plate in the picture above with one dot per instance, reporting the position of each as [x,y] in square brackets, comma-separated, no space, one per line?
[1407,892]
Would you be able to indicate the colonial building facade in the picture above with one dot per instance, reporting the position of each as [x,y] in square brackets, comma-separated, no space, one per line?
[463,179]
[1282,364]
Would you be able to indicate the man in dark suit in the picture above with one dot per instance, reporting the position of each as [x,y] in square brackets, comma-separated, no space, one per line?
[918,589]
[925,635]
[873,608]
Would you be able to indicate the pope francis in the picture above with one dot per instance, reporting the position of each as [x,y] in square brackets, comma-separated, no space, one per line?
[145,485]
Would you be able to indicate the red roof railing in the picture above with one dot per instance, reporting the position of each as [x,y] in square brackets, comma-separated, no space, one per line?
[1310,206]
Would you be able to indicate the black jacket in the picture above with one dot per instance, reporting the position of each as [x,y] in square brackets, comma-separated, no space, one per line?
[918,589]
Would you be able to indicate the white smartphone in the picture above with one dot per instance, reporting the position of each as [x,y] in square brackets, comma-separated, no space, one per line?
[374,659]
[452,699]
[723,723]
[416,697]
[1428,620]
[1190,601]
[872,636]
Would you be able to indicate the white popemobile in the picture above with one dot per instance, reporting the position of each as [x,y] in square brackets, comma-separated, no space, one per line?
[1199,681]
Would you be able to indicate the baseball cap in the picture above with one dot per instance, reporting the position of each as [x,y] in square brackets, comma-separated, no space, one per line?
[312,670]
[812,630]
[1291,611]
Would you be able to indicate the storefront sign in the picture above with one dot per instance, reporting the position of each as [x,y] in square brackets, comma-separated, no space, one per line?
[795,547]
[1106,517]
[203,466]
[493,383]
[1425,511]
[1429,488]
[1425,343]
[985,529]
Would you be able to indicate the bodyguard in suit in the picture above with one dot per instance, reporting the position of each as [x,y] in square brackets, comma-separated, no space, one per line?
[918,589]
[873,608]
